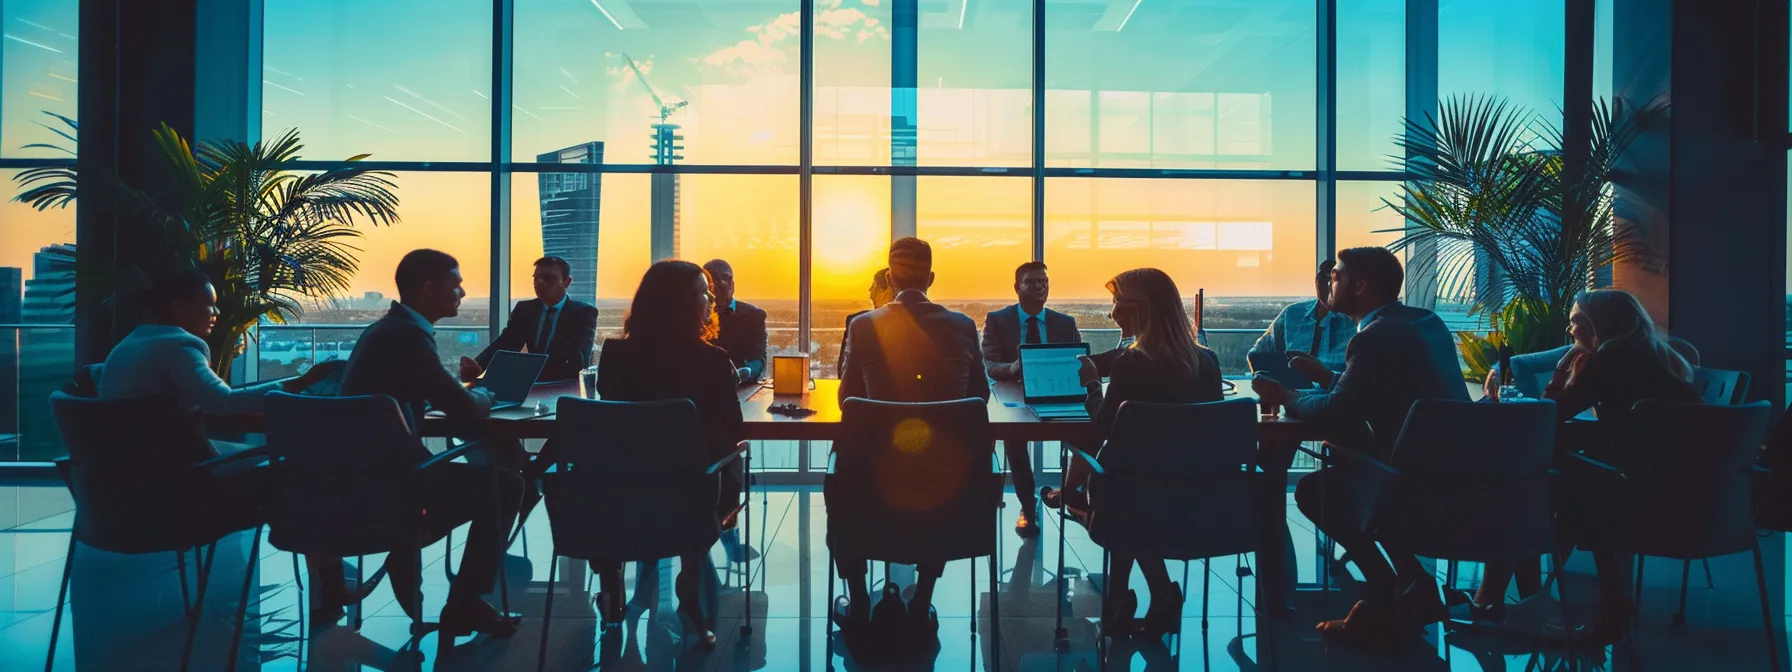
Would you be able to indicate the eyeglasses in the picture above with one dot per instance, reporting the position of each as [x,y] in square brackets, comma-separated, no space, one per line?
[1036,282]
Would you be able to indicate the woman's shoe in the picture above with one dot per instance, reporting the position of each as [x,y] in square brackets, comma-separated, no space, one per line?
[1614,622]
[1118,621]
[1164,617]
[696,628]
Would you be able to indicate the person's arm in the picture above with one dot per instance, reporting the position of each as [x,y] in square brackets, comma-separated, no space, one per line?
[511,338]
[852,379]
[721,409]
[1103,407]
[1353,394]
[584,331]
[190,372]
[418,360]
[1268,355]
[976,384]
[1577,383]
[991,346]
[757,343]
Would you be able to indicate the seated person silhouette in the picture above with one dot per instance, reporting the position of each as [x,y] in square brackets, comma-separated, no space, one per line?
[1028,321]
[910,350]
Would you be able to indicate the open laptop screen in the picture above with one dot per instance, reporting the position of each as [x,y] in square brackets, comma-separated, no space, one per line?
[1049,371]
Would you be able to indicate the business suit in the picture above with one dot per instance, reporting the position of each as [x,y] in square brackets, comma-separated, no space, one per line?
[158,359]
[911,350]
[840,362]
[396,356]
[1003,333]
[570,337]
[741,333]
[1400,354]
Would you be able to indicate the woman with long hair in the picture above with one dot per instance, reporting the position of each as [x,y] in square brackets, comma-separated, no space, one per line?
[1617,359]
[1163,364]
[664,354]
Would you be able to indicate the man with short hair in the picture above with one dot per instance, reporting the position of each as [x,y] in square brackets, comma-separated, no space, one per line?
[1400,354]
[1028,321]
[740,326]
[910,350]
[397,356]
[552,323]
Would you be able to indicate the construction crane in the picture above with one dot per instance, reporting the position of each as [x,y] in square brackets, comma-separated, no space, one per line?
[665,137]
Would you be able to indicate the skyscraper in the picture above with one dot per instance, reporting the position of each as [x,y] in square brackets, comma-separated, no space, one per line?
[46,356]
[569,209]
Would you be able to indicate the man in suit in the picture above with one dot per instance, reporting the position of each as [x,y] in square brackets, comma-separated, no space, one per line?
[740,326]
[880,294]
[1400,354]
[397,356]
[1028,321]
[910,350]
[551,323]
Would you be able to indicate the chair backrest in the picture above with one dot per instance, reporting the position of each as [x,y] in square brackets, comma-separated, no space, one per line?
[1473,481]
[1188,468]
[628,481]
[131,471]
[86,382]
[1690,481]
[1773,508]
[1720,386]
[1532,384]
[913,482]
[340,473]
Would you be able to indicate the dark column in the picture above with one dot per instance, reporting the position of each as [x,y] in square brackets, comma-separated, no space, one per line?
[192,64]
[1421,100]
[905,112]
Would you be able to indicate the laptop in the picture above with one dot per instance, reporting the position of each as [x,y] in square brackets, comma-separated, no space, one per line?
[1050,382]
[510,377]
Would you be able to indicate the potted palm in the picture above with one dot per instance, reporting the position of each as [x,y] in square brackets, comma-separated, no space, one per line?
[1515,226]
[265,234]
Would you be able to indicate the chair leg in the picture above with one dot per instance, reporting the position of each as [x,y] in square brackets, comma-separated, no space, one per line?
[1637,592]
[995,612]
[1206,581]
[1709,584]
[203,581]
[1773,653]
[242,606]
[746,514]
[448,556]
[1061,635]
[1561,563]
[359,606]
[547,613]
[1685,574]
[1449,575]
[180,566]
[973,574]
[68,570]
[1266,636]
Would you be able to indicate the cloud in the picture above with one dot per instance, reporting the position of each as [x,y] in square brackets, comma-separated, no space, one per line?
[764,51]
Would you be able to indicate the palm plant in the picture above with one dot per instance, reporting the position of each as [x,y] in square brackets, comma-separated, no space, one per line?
[265,235]
[48,187]
[1510,217]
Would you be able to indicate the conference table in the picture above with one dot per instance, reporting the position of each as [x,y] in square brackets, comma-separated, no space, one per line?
[1279,440]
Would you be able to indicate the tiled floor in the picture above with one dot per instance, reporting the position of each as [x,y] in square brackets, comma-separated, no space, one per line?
[125,612]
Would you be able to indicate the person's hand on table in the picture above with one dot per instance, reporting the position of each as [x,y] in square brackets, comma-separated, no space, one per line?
[1309,366]
[1269,390]
[1085,372]
[314,375]
[1490,388]
[470,369]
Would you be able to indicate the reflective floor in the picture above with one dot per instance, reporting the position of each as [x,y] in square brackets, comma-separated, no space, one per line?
[125,612]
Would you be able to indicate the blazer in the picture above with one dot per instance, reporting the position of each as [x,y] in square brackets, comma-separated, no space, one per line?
[1399,355]
[638,371]
[840,362]
[741,333]
[569,348]
[1135,378]
[396,356]
[913,350]
[1613,379]
[1002,338]
[162,360]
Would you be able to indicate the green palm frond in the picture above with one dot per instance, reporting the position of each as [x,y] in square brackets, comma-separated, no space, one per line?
[265,235]
[50,186]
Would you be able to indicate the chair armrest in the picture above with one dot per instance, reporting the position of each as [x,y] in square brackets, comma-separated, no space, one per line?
[995,463]
[833,459]
[740,449]
[257,453]
[1094,464]
[1596,465]
[450,455]
[1361,458]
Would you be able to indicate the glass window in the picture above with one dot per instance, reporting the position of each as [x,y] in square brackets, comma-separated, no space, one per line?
[403,80]
[1180,84]
[600,223]
[980,229]
[37,287]
[724,72]
[38,57]
[1371,83]
[750,221]
[1248,244]
[853,112]
[851,241]
[974,83]
[1510,49]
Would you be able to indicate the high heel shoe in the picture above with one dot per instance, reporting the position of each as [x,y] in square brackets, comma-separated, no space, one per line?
[696,628]
[1164,617]
[1118,621]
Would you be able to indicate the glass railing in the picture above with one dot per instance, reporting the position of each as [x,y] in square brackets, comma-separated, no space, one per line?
[282,350]
[40,359]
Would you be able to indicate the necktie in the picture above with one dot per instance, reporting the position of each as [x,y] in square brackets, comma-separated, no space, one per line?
[1032,330]
[546,332]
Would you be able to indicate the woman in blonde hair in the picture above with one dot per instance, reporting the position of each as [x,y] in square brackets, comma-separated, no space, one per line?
[1617,360]
[1164,364]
